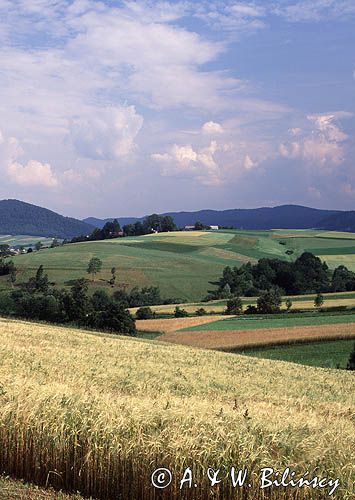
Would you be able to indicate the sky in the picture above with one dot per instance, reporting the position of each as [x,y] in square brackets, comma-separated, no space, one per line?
[123,108]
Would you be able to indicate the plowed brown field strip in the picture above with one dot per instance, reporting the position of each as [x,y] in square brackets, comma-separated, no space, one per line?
[229,339]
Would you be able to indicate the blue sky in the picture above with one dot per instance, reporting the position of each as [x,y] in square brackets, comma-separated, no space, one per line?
[114,108]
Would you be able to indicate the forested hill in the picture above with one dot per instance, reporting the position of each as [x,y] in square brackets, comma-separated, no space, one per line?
[285,216]
[18,217]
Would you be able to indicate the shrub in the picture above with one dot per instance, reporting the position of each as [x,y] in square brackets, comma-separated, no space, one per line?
[201,312]
[114,318]
[251,310]
[288,304]
[234,306]
[180,313]
[145,313]
[269,302]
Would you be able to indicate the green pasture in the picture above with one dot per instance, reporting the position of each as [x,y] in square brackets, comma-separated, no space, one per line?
[279,321]
[182,264]
[24,240]
[326,354]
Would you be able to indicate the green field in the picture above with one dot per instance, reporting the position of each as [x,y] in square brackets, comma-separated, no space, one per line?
[24,240]
[280,321]
[325,354]
[182,264]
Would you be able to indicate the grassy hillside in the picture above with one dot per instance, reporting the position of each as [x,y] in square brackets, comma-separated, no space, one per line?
[183,263]
[103,412]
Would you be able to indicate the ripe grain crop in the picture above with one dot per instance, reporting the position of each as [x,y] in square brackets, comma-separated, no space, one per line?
[98,413]
[229,339]
[173,324]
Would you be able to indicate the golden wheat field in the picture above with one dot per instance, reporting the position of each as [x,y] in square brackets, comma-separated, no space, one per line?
[229,339]
[98,413]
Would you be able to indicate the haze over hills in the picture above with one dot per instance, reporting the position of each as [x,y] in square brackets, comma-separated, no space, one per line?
[284,216]
[18,217]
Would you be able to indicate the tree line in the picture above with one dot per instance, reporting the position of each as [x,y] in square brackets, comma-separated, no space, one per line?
[152,223]
[307,274]
[38,299]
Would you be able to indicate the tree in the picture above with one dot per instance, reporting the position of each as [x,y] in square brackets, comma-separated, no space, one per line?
[180,313]
[343,280]
[38,283]
[38,246]
[114,318]
[167,224]
[13,275]
[152,223]
[269,302]
[77,302]
[100,300]
[318,301]
[226,291]
[199,226]
[288,304]
[55,243]
[112,280]
[234,306]
[251,309]
[351,363]
[200,311]
[4,250]
[145,313]
[94,267]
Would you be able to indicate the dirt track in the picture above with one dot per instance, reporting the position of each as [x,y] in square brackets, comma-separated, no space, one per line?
[229,339]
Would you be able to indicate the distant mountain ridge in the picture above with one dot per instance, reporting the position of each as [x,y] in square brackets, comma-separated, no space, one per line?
[280,217]
[18,217]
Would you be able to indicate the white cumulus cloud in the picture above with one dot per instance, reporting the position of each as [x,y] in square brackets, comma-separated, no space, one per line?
[186,161]
[320,143]
[34,173]
[108,134]
[212,128]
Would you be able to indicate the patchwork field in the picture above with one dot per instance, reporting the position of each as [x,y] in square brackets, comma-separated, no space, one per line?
[182,264]
[275,321]
[236,333]
[103,412]
[235,339]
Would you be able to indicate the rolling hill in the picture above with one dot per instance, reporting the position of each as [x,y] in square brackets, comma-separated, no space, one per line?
[18,217]
[285,216]
[182,263]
